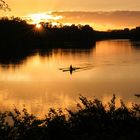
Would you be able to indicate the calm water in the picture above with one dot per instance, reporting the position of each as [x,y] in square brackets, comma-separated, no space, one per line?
[110,67]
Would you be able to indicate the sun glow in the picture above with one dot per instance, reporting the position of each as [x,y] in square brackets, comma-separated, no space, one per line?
[38,26]
[42,17]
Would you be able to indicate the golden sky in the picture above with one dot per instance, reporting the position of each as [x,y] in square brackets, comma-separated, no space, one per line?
[101,20]
[23,7]
[100,14]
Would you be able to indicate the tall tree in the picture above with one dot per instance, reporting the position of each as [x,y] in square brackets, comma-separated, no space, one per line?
[4,6]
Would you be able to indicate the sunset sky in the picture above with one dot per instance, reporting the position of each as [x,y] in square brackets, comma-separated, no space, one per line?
[28,7]
[22,7]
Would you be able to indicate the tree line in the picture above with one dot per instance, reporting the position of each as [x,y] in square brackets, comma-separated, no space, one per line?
[18,39]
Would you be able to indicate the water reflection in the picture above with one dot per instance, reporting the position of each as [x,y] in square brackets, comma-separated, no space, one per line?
[20,56]
[112,67]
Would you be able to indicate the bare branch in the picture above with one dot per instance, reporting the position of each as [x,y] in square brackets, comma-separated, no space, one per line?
[4,6]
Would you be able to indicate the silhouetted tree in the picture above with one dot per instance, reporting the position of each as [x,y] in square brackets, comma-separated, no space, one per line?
[18,39]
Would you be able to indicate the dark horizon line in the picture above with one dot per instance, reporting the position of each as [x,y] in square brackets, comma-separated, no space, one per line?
[63,24]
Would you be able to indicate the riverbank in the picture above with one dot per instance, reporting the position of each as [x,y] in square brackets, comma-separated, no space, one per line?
[20,39]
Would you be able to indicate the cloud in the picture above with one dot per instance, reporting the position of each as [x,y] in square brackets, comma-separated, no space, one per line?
[99,19]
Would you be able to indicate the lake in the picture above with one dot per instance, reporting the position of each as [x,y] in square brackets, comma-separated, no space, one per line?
[40,82]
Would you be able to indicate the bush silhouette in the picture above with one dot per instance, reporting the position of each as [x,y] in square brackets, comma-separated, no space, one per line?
[92,120]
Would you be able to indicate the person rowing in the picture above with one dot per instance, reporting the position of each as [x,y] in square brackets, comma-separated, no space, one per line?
[71,69]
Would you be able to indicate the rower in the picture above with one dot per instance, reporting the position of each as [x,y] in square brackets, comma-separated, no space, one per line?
[71,69]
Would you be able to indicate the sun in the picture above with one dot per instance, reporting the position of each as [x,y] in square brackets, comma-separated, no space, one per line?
[38,26]
[39,18]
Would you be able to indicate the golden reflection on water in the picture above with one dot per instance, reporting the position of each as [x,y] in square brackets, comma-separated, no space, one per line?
[39,84]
